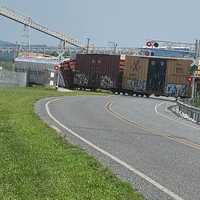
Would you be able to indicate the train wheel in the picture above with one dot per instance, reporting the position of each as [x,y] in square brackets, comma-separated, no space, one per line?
[130,93]
[147,95]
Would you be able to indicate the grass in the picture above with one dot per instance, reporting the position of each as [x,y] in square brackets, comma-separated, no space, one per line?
[35,164]
[196,102]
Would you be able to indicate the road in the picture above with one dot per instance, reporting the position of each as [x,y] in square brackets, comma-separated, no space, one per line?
[139,139]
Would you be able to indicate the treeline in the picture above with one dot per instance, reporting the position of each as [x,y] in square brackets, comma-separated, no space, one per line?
[7,65]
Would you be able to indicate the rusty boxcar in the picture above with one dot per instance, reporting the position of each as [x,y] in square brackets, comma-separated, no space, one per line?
[135,75]
[97,71]
[67,68]
[154,75]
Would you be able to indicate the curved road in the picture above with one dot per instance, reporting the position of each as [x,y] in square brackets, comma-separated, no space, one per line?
[138,138]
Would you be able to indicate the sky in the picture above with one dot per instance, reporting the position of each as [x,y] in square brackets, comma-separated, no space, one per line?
[129,23]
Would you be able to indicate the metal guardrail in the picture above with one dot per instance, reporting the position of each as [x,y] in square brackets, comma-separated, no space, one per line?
[191,111]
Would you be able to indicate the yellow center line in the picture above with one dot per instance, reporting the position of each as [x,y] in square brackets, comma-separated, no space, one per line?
[184,141]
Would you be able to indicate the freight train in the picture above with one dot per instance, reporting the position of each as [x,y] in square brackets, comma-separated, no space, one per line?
[139,75]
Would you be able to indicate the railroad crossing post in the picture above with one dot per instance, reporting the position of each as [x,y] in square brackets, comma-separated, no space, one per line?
[196,62]
[58,78]
[193,87]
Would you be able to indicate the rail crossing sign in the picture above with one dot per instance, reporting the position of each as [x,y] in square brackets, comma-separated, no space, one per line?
[152,44]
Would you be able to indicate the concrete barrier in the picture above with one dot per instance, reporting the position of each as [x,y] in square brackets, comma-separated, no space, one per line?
[11,78]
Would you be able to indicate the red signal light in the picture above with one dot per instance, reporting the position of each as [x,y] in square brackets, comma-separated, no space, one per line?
[56,67]
[189,79]
[152,44]
[149,44]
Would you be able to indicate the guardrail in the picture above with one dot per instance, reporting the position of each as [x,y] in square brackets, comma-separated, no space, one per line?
[191,111]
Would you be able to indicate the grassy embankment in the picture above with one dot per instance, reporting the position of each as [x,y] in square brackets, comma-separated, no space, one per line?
[196,102]
[35,164]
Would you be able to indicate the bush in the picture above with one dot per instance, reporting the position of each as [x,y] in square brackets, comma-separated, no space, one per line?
[196,101]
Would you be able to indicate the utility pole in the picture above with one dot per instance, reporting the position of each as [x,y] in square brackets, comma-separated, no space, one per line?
[196,62]
[114,47]
[88,45]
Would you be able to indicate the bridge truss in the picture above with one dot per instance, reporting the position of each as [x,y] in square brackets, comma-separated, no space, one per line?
[28,22]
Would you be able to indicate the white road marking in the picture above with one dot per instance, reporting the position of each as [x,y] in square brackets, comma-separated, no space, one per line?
[166,109]
[169,118]
[124,164]
[151,131]
[56,128]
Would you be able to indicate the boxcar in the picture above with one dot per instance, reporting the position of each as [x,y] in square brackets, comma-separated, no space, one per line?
[97,71]
[159,76]
[137,75]
[67,68]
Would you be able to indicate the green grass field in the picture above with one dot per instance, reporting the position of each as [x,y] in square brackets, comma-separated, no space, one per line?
[35,164]
[196,102]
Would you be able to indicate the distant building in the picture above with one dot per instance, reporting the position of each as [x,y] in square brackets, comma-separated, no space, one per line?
[40,70]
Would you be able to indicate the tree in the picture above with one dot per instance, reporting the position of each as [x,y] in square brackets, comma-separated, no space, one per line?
[54,53]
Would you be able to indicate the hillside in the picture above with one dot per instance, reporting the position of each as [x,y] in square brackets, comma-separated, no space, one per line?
[6,44]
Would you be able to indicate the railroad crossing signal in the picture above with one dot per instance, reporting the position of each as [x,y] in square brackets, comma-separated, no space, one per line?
[56,67]
[152,44]
[194,68]
[189,79]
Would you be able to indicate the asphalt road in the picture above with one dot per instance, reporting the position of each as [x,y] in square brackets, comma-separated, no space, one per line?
[138,138]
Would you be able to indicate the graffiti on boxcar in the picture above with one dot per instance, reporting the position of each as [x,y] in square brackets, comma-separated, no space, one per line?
[80,79]
[129,84]
[136,85]
[106,82]
[176,90]
[134,69]
[139,85]
[136,65]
